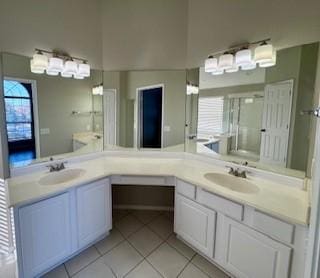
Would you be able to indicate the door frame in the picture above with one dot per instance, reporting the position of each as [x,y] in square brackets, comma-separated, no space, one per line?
[291,83]
[35,109]
[137,119]
[104,98]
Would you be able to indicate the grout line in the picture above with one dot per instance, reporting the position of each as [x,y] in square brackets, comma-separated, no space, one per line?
[180,252]
[154,267]
[144,258]
[65,268]
[133,268]
[85,265]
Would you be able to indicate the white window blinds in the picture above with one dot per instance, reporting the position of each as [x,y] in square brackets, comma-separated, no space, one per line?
[210,115]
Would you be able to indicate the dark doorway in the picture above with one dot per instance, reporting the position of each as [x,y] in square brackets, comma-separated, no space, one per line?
[151,118]
[19,122]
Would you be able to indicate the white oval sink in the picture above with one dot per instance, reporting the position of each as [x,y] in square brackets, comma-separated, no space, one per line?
[233,183]
[61,176]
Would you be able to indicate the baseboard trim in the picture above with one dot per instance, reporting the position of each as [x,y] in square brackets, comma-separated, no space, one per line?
[141,207]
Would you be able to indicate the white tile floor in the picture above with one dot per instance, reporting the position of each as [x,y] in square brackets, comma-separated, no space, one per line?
[142,244]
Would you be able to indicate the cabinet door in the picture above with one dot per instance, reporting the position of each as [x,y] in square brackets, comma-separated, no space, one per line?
[195,224]
[251,254]
[44,234]
[93,211]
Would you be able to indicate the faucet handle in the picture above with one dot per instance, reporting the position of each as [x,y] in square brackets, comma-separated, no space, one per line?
[231,170]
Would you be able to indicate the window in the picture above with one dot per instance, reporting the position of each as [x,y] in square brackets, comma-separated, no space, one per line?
[210,115]
[18,105]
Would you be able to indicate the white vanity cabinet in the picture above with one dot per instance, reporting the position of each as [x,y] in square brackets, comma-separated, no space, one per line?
[44,234]
[195,224]
[249,253]
[245,242]
[51,231]
[94,211]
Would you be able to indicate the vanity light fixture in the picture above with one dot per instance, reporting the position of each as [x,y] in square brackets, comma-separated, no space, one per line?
[70,67]
[244,56]
[250,66]
[263,53]
[234,68]
[218,72]
[225,61]
[211,64]
[55,63]
[39,62]
[270,63]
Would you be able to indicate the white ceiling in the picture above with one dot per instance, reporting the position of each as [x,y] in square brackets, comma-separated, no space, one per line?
[157,34]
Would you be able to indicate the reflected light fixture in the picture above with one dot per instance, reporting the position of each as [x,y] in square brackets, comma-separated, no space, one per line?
[244,56]
[54,63]
[97,90]
[192,89]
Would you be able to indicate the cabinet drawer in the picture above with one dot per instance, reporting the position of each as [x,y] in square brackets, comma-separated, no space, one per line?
[215,202]
[186,189]
[273,227]
[143,180]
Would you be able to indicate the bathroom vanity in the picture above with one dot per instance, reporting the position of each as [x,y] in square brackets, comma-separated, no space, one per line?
[254,227]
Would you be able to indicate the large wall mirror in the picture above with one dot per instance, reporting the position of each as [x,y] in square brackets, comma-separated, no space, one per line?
[50,116]
[144,110]
[256,117]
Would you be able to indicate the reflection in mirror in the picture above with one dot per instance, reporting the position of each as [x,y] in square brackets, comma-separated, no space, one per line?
[37,105]
[254,117]
[144,109]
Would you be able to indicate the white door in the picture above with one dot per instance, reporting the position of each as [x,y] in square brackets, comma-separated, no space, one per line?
[276,123]
[195,224]
[249,254]
[110,102]
[93,211]
[44,235]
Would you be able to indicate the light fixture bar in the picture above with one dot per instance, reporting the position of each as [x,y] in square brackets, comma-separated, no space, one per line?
[236,47]
[60,55]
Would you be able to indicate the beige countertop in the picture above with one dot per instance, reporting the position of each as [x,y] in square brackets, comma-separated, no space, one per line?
[286,202]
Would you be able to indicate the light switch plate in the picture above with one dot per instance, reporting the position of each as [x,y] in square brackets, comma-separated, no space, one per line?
[166,128]
[44,131]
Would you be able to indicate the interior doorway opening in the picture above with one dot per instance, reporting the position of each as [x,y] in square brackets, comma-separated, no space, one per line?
[150,117]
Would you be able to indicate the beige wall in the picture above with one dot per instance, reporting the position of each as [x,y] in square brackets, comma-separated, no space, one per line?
[57,98]
[73,26]
[215,25]
[144,34]
[174,101]
[4,164]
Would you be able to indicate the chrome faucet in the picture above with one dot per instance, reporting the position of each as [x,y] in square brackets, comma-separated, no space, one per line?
[237,172]
[56,167]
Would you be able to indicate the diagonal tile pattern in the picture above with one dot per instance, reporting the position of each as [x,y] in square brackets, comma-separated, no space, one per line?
[142,245]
